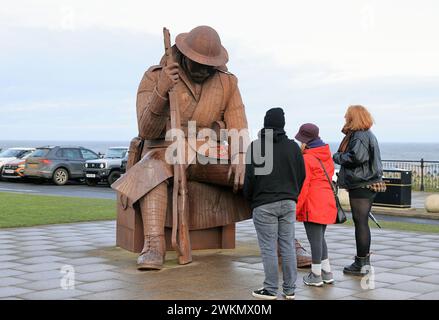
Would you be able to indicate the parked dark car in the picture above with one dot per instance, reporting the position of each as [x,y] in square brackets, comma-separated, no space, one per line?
[58,163]
[106,169]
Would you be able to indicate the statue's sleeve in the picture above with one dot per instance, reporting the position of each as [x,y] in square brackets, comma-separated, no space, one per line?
[234,113]
[152,109]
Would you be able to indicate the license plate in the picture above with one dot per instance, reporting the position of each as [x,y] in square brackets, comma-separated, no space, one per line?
[9,171]
[33,165]
[90,175]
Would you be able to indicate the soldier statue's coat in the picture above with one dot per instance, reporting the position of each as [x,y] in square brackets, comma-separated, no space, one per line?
[211,200]
[203,91]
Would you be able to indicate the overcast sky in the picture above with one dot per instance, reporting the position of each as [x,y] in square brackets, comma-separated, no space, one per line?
[69,70]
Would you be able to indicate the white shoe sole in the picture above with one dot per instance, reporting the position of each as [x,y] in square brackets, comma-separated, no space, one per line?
[260,296]
[289,297]
[328,281]
[317,284]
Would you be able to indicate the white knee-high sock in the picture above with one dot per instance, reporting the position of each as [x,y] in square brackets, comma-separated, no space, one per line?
[325,265]
[316,269]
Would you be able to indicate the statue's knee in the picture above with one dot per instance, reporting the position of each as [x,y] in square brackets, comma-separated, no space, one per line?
[156,199]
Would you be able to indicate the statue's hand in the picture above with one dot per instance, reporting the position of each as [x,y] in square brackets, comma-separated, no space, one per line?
[168,78]
[237,171]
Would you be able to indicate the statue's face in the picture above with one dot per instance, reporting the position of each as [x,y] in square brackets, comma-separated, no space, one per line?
[196,71]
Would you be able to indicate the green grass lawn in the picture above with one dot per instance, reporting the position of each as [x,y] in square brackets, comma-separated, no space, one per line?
[402,226]
[23,210]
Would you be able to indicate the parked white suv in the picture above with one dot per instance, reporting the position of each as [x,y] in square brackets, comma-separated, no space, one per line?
[105,169]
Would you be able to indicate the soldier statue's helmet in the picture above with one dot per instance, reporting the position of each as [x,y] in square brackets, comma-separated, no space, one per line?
[203,45]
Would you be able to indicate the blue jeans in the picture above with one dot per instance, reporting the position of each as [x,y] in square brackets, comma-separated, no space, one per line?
[274,224]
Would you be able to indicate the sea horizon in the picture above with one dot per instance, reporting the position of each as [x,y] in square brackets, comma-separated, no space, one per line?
[429,151]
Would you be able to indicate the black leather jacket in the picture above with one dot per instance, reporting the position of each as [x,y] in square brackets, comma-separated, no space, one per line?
[361,163]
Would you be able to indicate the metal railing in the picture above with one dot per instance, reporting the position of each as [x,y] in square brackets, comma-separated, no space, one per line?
[425,174]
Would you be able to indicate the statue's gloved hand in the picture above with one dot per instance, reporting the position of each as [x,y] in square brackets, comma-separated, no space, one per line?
[237,171]
[168,78]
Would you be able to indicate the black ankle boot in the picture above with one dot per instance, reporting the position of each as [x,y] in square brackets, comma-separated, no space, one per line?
[356,267]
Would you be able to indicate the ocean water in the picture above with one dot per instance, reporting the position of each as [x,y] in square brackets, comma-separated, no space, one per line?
[404,151]
[389,150]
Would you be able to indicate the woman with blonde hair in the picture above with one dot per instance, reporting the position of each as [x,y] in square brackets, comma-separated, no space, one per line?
[360,173]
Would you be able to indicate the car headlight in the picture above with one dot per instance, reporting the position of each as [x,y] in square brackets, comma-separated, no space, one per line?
[86,165]
[102,165]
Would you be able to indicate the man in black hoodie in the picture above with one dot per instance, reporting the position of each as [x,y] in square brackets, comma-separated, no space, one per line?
[274,175]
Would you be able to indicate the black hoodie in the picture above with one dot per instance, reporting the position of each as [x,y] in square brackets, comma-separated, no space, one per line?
[286,177]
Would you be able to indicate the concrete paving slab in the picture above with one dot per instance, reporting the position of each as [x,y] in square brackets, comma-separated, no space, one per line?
[10,291]
[53,294]
[415,286]
[416,271]
[434,279]
[428,296]
[102,271]
[386,294]
[10,281]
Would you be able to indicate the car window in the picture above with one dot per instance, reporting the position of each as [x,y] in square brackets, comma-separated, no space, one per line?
[71,154]
[10,153]
[88,154]
[115,153]
[24,154]
[40,153]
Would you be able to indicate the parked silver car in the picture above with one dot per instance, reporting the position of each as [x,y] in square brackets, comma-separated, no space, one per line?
[14,169]
[13,154]
[58,163]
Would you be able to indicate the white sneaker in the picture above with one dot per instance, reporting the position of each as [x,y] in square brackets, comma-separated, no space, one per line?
[327,277]
[290,296]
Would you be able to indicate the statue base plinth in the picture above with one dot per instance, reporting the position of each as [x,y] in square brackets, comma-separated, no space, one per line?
[129,233]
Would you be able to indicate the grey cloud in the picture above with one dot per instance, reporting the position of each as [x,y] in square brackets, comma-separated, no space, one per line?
[91,76]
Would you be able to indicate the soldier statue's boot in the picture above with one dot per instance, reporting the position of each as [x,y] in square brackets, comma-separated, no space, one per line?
[304,259]
[152,256]
[153,208]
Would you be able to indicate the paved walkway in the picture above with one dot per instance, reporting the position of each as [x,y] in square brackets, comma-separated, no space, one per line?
[36,263]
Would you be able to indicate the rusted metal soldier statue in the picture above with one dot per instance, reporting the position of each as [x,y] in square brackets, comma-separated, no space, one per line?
[208,94]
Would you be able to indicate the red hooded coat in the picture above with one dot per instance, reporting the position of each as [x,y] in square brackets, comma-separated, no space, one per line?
[316,201]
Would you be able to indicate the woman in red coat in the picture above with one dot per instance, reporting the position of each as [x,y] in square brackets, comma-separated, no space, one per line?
[316,203]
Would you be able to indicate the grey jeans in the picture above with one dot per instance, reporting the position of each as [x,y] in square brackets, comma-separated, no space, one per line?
[274,224]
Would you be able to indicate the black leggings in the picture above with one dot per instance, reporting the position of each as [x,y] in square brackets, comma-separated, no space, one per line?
[316,237]
[361,203]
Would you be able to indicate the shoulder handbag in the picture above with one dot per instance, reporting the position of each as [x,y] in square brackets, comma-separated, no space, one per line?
[341,215]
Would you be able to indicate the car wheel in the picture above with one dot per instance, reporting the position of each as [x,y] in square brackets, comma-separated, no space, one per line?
[91,182]
[60,176]
[113,177]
